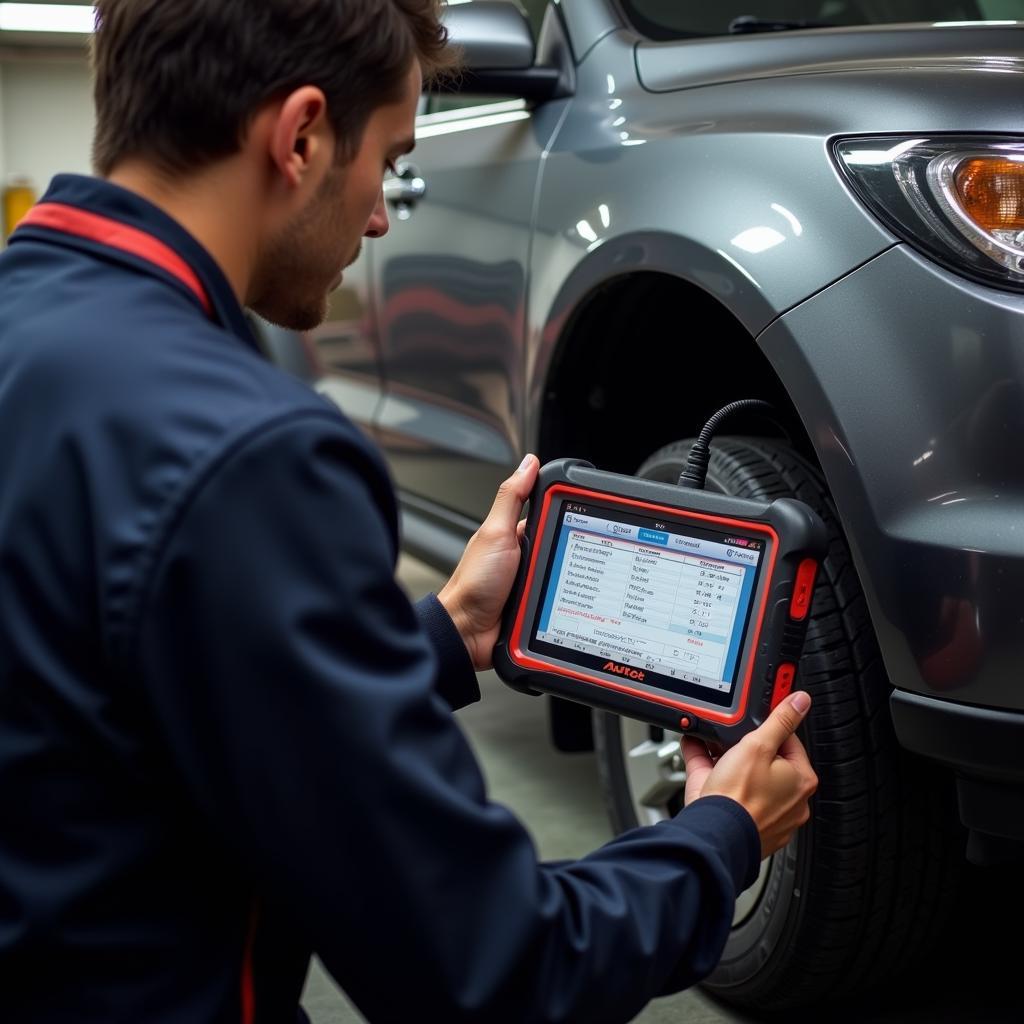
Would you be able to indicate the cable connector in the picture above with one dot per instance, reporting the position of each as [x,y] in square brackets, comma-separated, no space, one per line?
[695,473]
[696,470]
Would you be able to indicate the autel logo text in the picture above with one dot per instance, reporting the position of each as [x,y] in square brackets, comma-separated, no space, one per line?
[623,670]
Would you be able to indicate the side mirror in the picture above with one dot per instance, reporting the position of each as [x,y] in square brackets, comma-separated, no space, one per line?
[498,52]
[493,35]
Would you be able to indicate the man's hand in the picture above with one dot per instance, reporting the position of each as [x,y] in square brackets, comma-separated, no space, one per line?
[476,594]
[767,772]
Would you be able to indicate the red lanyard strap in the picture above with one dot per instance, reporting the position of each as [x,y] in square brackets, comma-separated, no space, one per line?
[96,228]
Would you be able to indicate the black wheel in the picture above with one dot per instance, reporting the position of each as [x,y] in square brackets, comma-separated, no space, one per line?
[864,889]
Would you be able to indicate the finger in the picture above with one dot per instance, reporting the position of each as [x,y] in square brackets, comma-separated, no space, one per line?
[795,755]
[785,719]
[512,495]
[521,529]
[695,755]
[793,750]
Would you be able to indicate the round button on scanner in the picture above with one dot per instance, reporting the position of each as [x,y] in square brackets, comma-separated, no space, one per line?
[685,723]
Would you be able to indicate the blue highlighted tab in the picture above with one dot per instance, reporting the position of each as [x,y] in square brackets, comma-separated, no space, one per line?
[653,536]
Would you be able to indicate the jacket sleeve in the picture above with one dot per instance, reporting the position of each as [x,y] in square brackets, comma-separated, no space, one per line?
[298,698]
[457,681]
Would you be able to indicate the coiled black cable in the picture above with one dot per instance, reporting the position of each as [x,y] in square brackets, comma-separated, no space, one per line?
[695,472]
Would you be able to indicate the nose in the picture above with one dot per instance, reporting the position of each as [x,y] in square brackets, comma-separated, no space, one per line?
[378,224]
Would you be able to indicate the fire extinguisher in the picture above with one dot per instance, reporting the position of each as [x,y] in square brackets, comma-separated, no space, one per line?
[19,198]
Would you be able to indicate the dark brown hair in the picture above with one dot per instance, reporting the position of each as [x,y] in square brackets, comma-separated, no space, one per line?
[177,82]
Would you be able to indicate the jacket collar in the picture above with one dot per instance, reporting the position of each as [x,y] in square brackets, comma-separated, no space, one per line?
[105,199]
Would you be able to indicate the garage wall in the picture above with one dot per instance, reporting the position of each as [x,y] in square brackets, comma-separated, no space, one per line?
[3,162]
[46,116]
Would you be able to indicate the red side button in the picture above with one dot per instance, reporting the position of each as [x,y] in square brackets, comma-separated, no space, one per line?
[783,683]
[803,588]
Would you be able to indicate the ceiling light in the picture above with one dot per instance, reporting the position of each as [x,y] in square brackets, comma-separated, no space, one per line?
[76,18]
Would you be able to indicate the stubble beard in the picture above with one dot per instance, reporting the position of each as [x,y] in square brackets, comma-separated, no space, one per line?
[283,290]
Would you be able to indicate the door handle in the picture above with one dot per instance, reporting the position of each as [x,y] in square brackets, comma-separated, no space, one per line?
[405,188]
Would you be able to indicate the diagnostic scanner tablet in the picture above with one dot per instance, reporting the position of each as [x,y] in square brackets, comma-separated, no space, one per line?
[677,607]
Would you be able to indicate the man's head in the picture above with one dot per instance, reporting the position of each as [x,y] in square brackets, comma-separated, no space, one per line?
[317,96]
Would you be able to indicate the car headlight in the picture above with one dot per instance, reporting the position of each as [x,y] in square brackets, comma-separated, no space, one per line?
[958,199]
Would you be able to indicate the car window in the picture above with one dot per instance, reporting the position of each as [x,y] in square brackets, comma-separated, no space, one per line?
[535,12]
[438,103]
[681,19]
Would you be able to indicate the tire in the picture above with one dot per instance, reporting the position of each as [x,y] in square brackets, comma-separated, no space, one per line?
[865,888]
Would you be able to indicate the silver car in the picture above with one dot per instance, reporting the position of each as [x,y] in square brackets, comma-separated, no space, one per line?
[658,207]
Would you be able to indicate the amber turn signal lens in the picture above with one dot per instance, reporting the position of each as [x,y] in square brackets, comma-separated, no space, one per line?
[991,190]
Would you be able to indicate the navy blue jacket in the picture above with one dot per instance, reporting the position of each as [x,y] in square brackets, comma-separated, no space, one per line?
[226,738]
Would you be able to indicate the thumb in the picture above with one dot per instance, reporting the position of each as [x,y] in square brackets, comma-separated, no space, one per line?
[695,755]
[512,494]
[785,719]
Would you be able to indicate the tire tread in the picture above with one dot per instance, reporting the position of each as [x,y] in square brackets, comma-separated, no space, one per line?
[885,845]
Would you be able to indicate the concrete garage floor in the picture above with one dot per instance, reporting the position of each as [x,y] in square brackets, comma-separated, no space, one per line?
[557,798]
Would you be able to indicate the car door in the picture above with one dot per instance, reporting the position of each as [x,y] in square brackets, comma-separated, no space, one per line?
[450,280]
[449,291]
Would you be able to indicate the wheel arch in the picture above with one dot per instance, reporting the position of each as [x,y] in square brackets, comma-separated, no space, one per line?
[612,396]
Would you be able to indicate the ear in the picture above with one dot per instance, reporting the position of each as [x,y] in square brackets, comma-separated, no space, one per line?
[299,135]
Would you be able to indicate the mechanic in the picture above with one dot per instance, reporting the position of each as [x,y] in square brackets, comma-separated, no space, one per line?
[226,738]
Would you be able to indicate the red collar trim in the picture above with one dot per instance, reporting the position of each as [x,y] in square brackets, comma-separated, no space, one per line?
[96,228]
